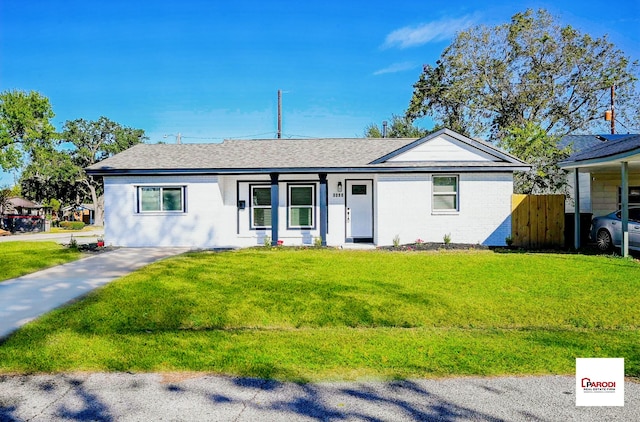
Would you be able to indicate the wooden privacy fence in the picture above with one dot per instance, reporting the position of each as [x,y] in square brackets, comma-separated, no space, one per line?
[537,221]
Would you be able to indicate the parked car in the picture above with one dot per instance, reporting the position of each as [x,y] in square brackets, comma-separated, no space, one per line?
[606,231]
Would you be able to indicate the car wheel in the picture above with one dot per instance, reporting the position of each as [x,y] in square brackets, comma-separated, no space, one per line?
[603,240]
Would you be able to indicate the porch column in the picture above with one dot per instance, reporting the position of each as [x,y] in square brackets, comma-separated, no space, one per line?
[624,167]
[576,217]
[323,208]
[275,203]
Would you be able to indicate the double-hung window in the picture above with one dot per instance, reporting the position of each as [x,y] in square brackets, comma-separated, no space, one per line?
[301,206]
[260,207]
[161,199]
[445,193]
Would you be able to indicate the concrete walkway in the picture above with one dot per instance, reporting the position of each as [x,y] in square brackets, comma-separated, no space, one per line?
[201,397]
[25,298]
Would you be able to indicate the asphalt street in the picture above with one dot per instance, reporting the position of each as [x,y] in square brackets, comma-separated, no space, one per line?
[198,397]
[81,237]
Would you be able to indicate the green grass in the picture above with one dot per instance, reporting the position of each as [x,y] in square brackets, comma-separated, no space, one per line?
[20,258]
[324,314]
[87,228]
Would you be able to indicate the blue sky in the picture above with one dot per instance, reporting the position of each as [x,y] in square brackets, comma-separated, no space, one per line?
[211,70]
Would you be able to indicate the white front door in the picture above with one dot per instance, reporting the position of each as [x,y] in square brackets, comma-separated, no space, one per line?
[359,212]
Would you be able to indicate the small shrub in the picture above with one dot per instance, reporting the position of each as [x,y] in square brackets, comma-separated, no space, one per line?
[267,241]
[396,240]
[317,242]
[509,241]
[73,244]
[447,238]
[72,225]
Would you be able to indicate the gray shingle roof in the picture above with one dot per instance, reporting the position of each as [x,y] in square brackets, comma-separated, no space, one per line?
[265,153]
[614,146]
[283,155]
[578,143]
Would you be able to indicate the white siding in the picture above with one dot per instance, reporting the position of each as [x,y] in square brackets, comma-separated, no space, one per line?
[585,193]
[404,209]
[443,148]
[199,226]
[604,190]
[402,206]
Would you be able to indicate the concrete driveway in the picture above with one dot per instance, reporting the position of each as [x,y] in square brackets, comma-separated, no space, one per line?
[201,397]
[25,298]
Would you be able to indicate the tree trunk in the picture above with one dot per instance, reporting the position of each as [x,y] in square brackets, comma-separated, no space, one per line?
[98,207]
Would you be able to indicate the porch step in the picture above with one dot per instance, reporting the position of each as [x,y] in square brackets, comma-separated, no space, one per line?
[358,246]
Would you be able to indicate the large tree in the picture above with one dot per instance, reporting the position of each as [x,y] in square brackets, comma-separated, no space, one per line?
[400,127]
[25,125]
[94,141]
[530,70]
[52,174]
[535,146]
[60,173]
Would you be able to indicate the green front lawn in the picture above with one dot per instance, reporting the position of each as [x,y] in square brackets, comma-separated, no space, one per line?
[20,258]
[328,314]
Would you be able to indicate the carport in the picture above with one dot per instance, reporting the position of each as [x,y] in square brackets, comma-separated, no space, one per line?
[618,154]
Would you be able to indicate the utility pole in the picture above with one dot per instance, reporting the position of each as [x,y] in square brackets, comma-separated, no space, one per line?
[279,113]
[613,114]
[610,114]
[178,137]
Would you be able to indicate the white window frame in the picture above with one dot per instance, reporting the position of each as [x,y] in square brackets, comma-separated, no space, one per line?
[291,207]
[252,206]
[183,191]
[456,194]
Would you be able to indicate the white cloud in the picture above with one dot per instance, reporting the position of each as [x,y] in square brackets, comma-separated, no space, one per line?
[395,68]
[412,36]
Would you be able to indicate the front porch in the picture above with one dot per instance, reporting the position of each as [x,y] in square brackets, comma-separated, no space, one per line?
[614,167]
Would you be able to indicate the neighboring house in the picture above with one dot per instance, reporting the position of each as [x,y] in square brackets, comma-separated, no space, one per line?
[21,206]
[82,212]
[594,191]
[23,215]
[242,192]
[613,169]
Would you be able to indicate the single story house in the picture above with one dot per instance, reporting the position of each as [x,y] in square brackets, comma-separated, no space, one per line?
[22,215]
[601,203]
[81,212]
[612,167]
[241,193]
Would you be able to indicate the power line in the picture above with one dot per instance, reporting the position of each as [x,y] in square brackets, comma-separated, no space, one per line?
[254,136]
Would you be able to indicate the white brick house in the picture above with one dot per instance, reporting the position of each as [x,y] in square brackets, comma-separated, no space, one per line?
[237,193]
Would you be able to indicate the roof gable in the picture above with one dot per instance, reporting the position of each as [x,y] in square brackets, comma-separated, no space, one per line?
[448,146]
